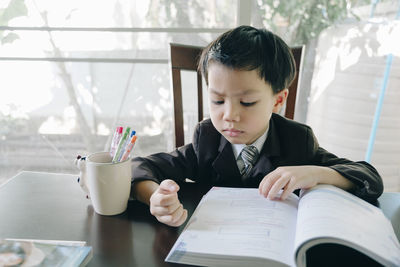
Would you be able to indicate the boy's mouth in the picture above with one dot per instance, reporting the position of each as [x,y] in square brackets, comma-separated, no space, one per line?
[232,132]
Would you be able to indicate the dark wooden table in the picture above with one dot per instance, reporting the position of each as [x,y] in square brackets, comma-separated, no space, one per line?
[36,205]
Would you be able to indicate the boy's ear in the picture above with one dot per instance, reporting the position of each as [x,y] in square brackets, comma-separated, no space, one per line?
[280,99]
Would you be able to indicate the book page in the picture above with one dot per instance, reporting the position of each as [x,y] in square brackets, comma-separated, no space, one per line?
[329,212]
[52,242]
[32,252]
[240,222]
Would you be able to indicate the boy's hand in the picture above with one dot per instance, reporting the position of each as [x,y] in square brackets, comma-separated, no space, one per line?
[289,179]
[165,205]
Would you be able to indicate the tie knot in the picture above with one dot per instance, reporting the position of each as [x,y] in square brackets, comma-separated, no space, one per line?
[249,155]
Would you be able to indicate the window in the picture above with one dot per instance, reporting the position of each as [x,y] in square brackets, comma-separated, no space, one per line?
[71,71]
[78,69]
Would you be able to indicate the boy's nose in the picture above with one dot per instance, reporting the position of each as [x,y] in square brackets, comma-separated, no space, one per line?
[231,113]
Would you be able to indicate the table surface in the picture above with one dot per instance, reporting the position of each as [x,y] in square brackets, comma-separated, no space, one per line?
[35,205]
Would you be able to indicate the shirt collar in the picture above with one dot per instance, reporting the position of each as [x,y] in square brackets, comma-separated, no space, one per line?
[259,143]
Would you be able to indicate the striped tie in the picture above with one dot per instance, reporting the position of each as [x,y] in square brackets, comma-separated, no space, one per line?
[249,155]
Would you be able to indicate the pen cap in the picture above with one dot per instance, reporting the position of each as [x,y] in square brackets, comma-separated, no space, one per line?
[119,129]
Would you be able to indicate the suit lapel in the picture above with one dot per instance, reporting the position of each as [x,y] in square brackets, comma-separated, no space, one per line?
[272,146]
[263,165]
[225,165]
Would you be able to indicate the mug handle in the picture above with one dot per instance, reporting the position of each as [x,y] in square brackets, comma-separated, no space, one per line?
[80,163]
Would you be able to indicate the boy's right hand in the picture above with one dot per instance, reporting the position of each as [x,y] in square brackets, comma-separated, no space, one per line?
[165,205]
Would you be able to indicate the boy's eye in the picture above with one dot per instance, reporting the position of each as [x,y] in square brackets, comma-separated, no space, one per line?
[247,104]
[220,102]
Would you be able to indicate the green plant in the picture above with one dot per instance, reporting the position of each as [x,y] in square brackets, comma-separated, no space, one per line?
[303,20]
[16,8]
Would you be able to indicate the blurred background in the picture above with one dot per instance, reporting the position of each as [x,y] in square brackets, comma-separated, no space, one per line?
[72,71]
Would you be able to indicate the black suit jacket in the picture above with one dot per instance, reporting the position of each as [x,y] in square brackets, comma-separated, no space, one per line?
[209,159]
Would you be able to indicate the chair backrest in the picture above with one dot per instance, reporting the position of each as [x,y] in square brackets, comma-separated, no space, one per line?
[186,57]
[292,97]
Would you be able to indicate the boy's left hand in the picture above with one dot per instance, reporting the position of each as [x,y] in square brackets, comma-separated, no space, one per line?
[289,178]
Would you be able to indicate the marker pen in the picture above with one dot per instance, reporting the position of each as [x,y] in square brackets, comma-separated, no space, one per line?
[125,145]
[120,145]
[129,148]
[115,140]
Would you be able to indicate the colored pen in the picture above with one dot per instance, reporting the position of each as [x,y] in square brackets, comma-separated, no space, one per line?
[121,144]
[124,147]
[129,148]
[115,140]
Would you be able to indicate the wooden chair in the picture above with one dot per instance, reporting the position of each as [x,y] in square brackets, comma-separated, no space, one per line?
[291,100]
[185,57]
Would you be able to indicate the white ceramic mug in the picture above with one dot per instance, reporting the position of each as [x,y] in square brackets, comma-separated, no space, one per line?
[107,184]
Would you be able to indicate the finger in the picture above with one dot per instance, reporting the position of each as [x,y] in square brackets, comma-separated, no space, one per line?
[277,186]
[163,200]
[288,189]
[182,219]
[266,187]
[164,210]
[168,186]
[261,185]
[174,218]
[269,181]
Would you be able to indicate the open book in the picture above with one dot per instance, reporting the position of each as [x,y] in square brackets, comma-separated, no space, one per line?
[239,227]
[28,252]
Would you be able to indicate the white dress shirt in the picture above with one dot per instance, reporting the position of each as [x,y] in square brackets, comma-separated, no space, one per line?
[237,148]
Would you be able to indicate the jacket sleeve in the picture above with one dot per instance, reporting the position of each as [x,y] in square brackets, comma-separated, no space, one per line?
[176,165]
[368,183]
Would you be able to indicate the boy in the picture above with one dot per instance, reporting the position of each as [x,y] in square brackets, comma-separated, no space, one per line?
[245,144]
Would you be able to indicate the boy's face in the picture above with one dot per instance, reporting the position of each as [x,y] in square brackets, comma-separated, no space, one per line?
[241,103]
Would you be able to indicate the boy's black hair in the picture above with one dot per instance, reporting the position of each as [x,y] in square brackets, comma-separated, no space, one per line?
[248,48]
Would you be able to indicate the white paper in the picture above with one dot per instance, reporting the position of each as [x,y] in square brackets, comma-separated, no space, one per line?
[330,212]
[253,227]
